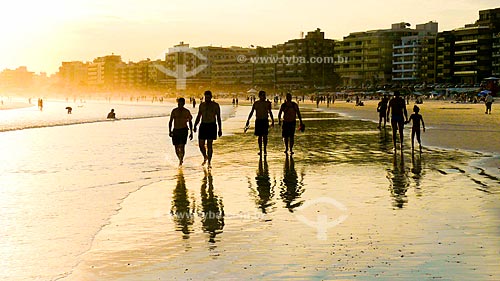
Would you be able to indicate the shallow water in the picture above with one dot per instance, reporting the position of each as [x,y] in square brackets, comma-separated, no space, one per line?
[111,204]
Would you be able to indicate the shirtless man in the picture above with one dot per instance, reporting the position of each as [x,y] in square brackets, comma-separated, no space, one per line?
[181,117]
[262,110]
[290,112]
[209,114]
[398,118]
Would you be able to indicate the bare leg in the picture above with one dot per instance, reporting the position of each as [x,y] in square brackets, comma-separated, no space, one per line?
[260,145]
[394,131]
[291,144]
[286,144]
[265,144]
[181,152]
[413,139]
[203,151]
[209,151]
[401,136]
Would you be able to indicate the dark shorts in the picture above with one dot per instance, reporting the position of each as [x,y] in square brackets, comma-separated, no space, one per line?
[399,120]
[261,127]
[179,136]
[208,131]
[288,129]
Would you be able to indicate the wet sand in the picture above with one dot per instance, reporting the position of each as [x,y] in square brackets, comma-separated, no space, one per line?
[449,125]
[343,207]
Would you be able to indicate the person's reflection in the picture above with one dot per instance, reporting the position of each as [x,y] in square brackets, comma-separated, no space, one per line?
[384,141]
[291,188]
[417,170]
[212,216]
[264,188]
[399,182]
[181,210]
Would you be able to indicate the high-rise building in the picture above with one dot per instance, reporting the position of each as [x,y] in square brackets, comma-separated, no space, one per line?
[368,56]
[101,72]
[413,59]
[306,61]
[73,74]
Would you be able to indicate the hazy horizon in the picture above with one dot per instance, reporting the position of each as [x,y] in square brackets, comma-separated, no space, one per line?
[40,35]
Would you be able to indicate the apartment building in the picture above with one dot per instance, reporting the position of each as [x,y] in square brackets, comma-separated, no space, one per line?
[412,58]
[369,55]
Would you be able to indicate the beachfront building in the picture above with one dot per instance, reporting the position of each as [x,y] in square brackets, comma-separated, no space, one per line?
[18,78]
[233,67]
[306,61]
[101,72]
[73,74]
[495,63]
[472,54]
[368,55]
[412,58]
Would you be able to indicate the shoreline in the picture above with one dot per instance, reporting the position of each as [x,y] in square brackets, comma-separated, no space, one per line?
[448,125]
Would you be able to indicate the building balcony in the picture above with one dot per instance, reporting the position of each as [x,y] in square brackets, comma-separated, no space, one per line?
[404,70]
[496,54]
[465,72]
[404,54]
[403,62]
[467,62]
[466,42]
[467,52]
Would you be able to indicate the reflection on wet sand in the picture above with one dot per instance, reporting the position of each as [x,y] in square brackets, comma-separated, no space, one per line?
[265,189]
[291,187]
[398,181]
[212,209]
[181,210]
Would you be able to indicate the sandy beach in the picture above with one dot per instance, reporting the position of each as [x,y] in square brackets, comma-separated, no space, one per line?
[344,207]
[449,125]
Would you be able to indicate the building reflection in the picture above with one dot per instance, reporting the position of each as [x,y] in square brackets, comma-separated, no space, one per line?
[265,190]
[291,187]
[212,209]
[398,181]
[181,210]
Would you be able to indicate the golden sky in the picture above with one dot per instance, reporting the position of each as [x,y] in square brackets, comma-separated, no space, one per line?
[42,33]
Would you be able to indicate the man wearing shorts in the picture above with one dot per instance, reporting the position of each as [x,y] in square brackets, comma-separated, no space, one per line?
[209,115]
[262,109]
[180,117]
[397,107]
[290,112]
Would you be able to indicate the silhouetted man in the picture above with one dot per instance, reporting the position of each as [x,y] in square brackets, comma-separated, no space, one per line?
[290,112]
[262,109]
[181,118]
[209,114]
[399,115]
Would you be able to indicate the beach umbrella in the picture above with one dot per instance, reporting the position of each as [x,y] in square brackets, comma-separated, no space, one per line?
[492,78]
[484,92]
[417,93]
[252,91]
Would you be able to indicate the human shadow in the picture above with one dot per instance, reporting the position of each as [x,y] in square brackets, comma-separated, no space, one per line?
[291,187]
[398,181]
[265,190]
[182,210]
[212,208]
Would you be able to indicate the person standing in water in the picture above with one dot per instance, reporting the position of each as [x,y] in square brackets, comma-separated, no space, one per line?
[263,110]
[209,115]
[397,109]
[181,118]
[382,111]
[290,111]
[415,129]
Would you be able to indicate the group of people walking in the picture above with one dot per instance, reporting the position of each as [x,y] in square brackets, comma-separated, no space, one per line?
[209,117]
[396,108]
